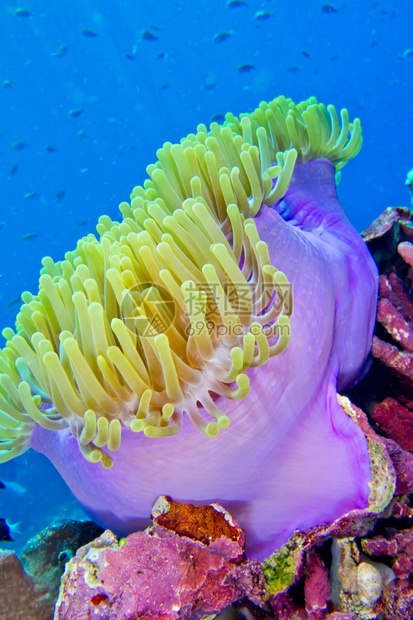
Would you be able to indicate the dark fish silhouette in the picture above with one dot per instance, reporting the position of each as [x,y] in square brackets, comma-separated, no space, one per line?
[7,83]
[23,13]
[218,118]
[5,531]
[30,237]
[235,4]
[50,149]
[305,54]
[293,69]
[31,195]
[14,168]
[61,194]
[76,113]
[147,35]
[19,146]
[89,33]
[329,8]
[262,16]
[13,302]
[245,68]
[222,36]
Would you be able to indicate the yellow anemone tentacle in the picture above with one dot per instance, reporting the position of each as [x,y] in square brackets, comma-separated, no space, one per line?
[165,312]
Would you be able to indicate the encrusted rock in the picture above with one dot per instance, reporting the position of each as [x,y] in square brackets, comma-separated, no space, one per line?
[29,588]
[45,555]
[159,573]
[210,525]
[398,545]
[19,597]
[316,586]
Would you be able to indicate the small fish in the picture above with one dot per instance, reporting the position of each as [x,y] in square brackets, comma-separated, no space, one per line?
[61,194]
[130,56]
[293,69]
[14,168]
[75,113]
[161,55]
[222,36]
[31,195]
[19,146]
[406,53]
[7,83]
[23,13]
[235,4]
[329,8]
[374,43]
[30,237]
[165,86]
[12,485]
[7,529]
[245,68]
[81,133]
[81,223]
[388,12]
[50,149]
[13,301]
[147,35]
[89,33]
[218,118]
[306,54]
[62,51]
[262,16]
[2,225]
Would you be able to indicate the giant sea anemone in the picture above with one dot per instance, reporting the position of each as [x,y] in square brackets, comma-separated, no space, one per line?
[195,348]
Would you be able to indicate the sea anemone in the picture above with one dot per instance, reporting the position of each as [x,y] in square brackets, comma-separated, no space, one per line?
[143,346]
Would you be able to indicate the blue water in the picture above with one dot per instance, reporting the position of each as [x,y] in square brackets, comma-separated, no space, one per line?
[86,100]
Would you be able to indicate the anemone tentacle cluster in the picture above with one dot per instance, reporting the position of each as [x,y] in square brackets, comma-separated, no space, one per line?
[178,319]
[173,304]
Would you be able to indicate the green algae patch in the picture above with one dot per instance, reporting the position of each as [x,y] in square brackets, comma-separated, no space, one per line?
[281,568]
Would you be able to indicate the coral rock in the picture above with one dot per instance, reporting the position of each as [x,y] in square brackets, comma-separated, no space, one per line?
[398,544]
[396,421]
[403,465]
[316,587]
[211,525]
[159,574]
[398,600]
[19,598]
[45,555]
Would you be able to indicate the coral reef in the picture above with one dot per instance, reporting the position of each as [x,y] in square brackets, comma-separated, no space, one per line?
[162,572]
[19,597]
[390,239]
[29,586]
[142,346]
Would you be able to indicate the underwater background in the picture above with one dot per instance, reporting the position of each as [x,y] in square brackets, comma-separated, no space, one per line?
[89,90]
